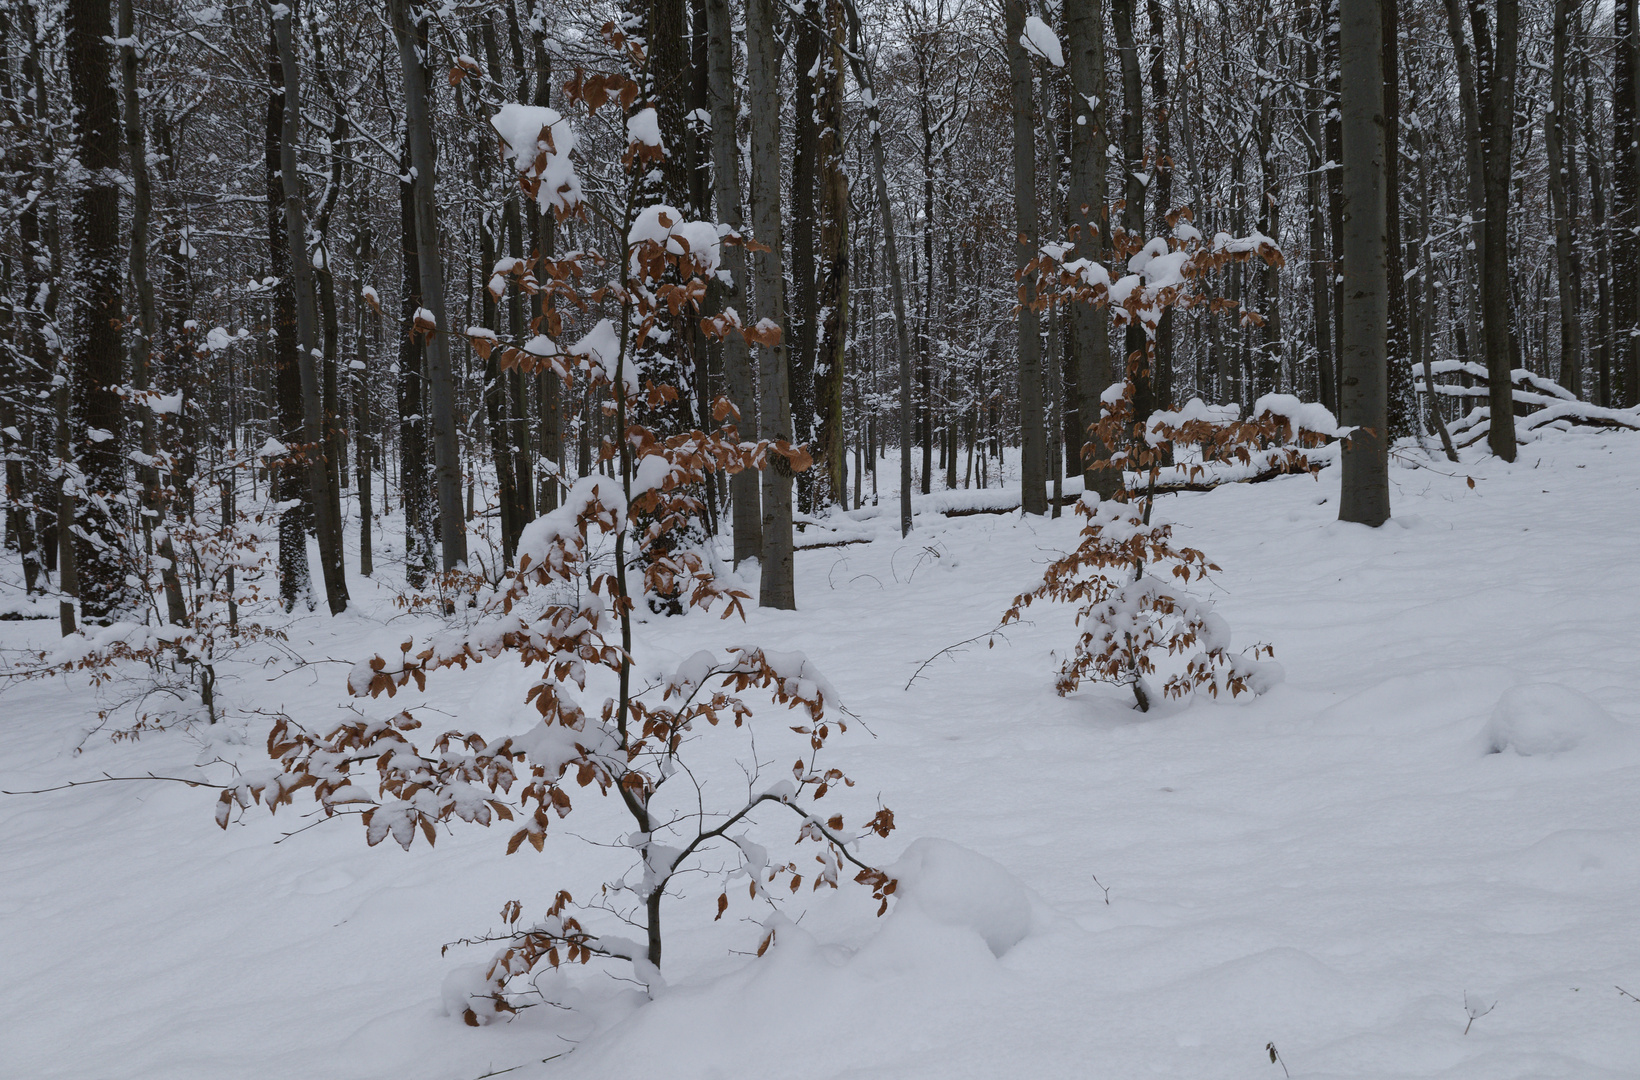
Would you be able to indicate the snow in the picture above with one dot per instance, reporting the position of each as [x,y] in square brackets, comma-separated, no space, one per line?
[521,128]
[601,348]
[1301,415]
[1550,718]
[644,126]
[1330,867]
[954,886]
[1040,40]
[699,239]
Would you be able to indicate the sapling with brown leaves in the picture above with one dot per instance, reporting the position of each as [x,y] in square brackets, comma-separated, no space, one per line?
[567,609]
[1129,619]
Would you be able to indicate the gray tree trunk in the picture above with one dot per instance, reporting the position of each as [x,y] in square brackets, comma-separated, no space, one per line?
[1136,364]
[1498,134]
[418,121]
[739,378]
[1087,219]
[763,48]
[142,345]
[1554,141]
[96,368]
[1320,262]
[307,328]
[1363,385]
[1625,202]
[1033,464]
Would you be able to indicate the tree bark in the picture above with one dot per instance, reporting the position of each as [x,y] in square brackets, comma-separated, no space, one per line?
[1136,364]
[1087,213]
[418,509]
[1625,202]
[1554,139]
[295,496]
[831,464]
[1601,236]
[143,343]
[1033,465]
[1319,254]
[774,403]
[1498,127]
[1399,342]
[1364,497]
[807,36]
[307,327]
[95,358]
[739,377]
[1162,373]
[413,46]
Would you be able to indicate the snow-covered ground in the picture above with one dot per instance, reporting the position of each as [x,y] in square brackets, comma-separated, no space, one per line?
[1340,868]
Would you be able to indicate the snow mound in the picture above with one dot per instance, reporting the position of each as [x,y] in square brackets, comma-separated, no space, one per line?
[1548,718]
[954,886]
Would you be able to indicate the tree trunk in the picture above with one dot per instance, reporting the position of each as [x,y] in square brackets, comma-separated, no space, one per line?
[1088,226]
[774,403]
[1365,484]
[95,358]
[807,37]
[831,464]
[418,122]
[418,509]
[1625,201]
[1399,391]
[1162,373]
[1319,253]
[294,495]
[1033,467]
[307,328]
[738,375]
[1498,128]
[1602,239]
[143,342]
[1554,140]
[1137,364]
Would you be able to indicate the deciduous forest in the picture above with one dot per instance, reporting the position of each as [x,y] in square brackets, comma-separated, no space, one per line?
[1163,474]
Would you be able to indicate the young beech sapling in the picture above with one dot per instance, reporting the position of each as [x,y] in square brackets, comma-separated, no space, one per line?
[567,608]
[1126,617]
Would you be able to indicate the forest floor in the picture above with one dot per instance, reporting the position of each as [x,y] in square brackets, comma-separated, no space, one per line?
[1338,868]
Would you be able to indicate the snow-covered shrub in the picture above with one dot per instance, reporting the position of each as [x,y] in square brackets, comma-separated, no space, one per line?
[1128,618]
[566,608]
[196,581]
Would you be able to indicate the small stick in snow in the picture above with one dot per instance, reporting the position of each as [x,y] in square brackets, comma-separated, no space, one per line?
[991,633]
[1104,888]
[1626,994]
[1475,1011]
[1275,1058]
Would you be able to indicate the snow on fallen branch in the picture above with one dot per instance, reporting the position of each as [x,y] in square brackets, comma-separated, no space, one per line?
[1541,404]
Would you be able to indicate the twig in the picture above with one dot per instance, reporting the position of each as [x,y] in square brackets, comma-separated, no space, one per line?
[1475,1011]
[108,779]
[1626,994]
[1105,888]
[1275,1058]
[966,641]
